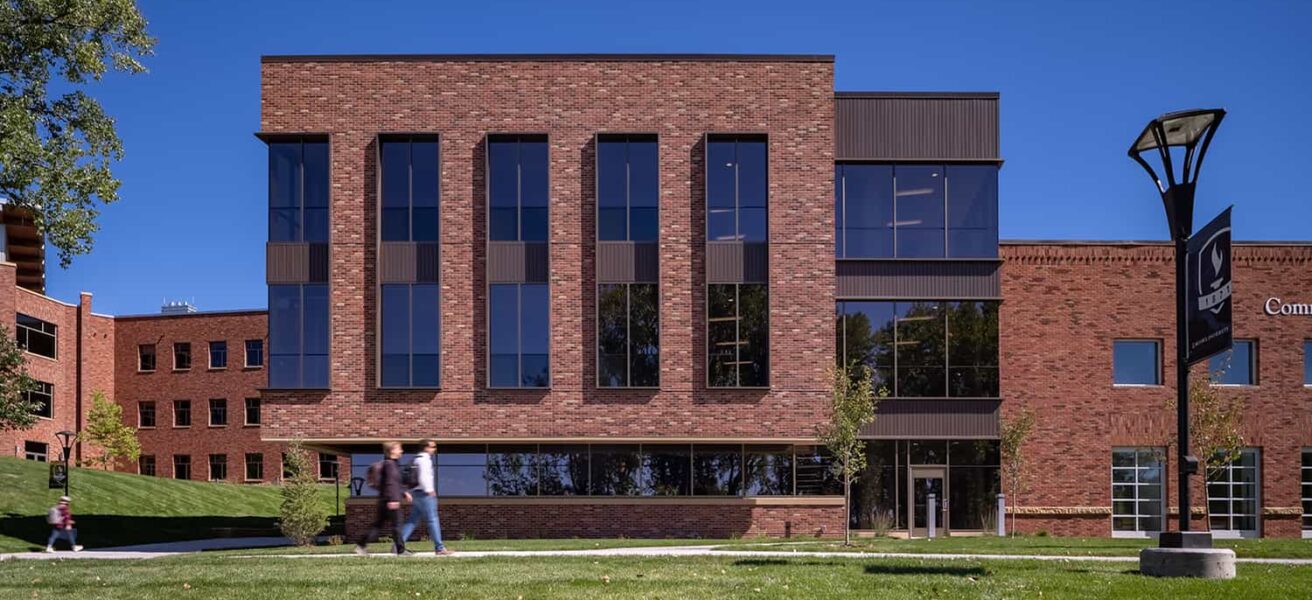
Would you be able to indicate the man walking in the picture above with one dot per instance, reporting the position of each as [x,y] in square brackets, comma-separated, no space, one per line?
[425,500]
[385,476]
[61,518]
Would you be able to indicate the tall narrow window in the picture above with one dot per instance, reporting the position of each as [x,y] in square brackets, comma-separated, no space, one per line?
[410,190]
[410,335]
[519,335]
[181,466]
[146,357]
[298,336]
[254,466]
[628,188]
[1138,498]
[219,355]
[628,338]
[298,191]
[218,413]
[1233,501]
[146,415]
[736,188]
[254,353]
[919,211]
[218,467]
[146,465]
[182,413]
[738,329]
[517,188]
[252,411]
[181,356]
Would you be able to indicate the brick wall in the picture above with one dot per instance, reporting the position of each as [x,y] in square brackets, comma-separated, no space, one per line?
[463,101]
[1065,303]
[637,520]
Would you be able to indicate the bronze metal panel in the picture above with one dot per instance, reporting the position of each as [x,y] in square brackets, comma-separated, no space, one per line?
[756,262]
[646,262]
[396,262]
[427,263]
[939,280]
[724,262]
[615,262]
[537,267]
[287,263]
[934,419]
[939,127]
[505,262]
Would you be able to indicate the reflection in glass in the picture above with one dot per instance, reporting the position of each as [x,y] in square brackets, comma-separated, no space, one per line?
[768,470]
[865,197]
[518,333]
[1234,366]
[512,471]
[717,470]
[666,470]
[738,337]
[517,188]
[628,343]
[616,470]
[562,470]
[736,188]
[627,188]
[1135,362]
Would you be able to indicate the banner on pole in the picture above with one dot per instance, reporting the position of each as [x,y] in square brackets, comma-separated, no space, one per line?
[1208,292]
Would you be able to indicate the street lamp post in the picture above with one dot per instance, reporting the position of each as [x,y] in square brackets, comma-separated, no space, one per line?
[1178,141]
[66,442]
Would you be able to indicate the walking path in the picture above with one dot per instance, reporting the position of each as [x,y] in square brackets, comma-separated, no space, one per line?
[180,548]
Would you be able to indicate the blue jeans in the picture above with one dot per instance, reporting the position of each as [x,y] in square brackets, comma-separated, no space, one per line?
[424,507]
[68,534]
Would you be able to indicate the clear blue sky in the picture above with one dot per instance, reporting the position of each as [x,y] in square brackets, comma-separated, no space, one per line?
[1078,82]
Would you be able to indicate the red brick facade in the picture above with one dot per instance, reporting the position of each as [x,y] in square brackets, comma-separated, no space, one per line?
[1065,303]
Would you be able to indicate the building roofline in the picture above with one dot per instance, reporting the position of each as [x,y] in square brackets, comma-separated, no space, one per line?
[920,95]
[1143,243]
[207,313]
[337,58]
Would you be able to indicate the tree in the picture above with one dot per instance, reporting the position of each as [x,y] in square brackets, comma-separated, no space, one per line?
[302,515]
[852,405]
[105,429]
[1015,431]
[1215,425]
[55,151]
[17,410]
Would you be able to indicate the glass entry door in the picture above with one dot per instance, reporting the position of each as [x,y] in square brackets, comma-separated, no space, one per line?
[923,481]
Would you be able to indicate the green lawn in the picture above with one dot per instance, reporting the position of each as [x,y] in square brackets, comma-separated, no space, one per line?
[420,546]
[1064,546]
[114,509]
[210,576]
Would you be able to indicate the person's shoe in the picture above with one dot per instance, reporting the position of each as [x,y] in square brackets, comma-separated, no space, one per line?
[361,550]
[77,548]
[405,553]
[444,552]
[50,549]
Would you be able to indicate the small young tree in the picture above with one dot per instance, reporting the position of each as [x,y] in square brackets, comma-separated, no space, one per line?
[17,412]
[106,430]
[302,515]
[852,405]
[1215,425]
[1015,431]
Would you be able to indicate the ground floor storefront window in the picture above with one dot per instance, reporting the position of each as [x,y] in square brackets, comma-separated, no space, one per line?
[1137,494]
[1232,495]
[894,491]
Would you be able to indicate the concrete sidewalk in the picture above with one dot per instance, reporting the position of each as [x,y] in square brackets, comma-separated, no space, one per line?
[182,548]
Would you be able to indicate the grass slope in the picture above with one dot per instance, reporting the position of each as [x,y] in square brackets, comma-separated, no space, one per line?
[717,578]
[114,509]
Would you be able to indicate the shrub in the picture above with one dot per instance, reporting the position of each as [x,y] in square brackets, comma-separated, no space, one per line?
[302,516]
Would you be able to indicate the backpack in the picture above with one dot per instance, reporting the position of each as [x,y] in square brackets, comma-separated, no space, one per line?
[374,476]
[410,476]
[54,517]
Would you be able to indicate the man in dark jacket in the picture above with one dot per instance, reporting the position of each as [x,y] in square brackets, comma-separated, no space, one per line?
[390,493]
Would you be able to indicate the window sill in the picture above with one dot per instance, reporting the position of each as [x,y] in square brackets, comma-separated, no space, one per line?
[182,426]
[186,370]
[149,427]
[252,367]
[217,427]
[517,389]
[418,389]
[314,389]
[49,358]
[1234,385]
[144,371]
[628,388]
[735,388]
[44,418]
[250,425]
[1137,385]
[252,481]
[212,369]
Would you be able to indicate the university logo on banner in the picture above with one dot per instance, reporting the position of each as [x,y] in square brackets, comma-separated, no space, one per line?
[58,475]
[1209,303]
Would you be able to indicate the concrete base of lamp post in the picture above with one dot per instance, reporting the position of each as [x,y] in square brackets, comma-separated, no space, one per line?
[1203,563]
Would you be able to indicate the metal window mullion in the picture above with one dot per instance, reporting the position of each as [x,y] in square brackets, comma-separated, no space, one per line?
[842,210]
[897,375]
[895,227]
[519,334]
[737,205]
[628,193]
[945,211]
[947,346]
[737,334]
[628,334]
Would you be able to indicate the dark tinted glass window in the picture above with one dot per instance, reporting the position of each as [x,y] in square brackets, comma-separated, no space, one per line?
[37,336]
[218,355]
[1136,362]
[919,207]
[616,470]
[562,470]
[146,357]
[517,188]
[628,344]
[218,412]
[410,335]
[666,470]
[1307,363]
[627,188]
[768,471]
[736,188]
[717,470]
[146,465]
[298,191]
[181,355]
[409,190]
[252,411]
[181,466]
[815,474]
[254,466]
[42,395]
[519,334]
[865,211]
[254,353]
[218,467]
[298,336]
[512,471]
[972,192]
[923,348]
[145,414]
[182,413]
[738,332]
[460,470]
[1237,366]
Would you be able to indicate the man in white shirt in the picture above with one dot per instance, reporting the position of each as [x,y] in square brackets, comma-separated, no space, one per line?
[425,500]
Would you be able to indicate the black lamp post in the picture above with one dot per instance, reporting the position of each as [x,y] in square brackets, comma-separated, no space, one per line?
[1179,141]
[66,441]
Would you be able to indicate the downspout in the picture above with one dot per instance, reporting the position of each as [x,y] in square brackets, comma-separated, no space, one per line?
[78,379]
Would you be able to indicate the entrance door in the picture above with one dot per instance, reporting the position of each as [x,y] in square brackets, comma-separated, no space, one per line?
[924,481]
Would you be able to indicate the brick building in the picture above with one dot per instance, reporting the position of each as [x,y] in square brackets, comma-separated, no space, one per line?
[611,286]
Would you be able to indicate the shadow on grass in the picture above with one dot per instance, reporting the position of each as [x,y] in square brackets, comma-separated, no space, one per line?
[102,531]
[878,569]
[778,562]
